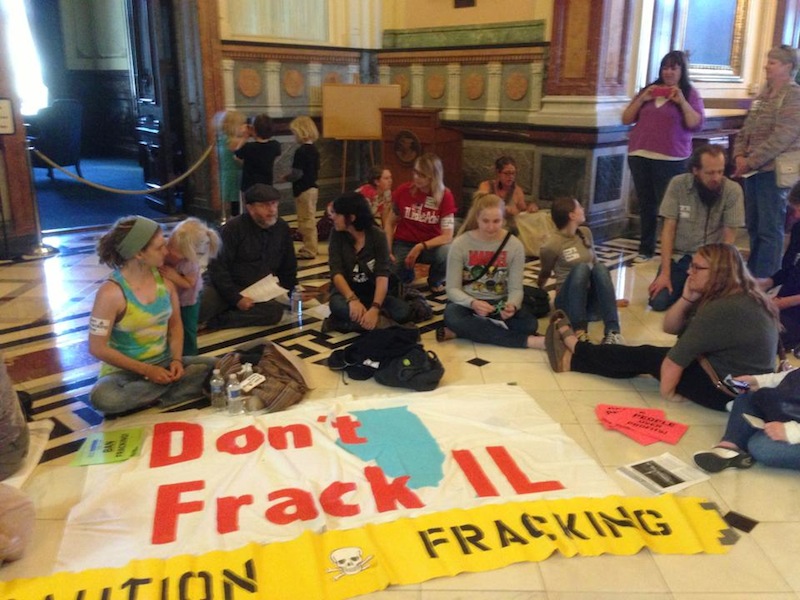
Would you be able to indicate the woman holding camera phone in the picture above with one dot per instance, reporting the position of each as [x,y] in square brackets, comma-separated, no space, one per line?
[665,115]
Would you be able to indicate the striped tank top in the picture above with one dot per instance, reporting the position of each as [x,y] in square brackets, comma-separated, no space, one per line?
[141,334]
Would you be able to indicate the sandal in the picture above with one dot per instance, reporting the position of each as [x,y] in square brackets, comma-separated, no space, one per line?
[559,355]
[443,334]
[719,458]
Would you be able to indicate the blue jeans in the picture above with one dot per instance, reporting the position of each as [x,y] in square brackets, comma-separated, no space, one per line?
[765,215]
[435,257]
[588,291]
[764,449]
[678,274]
[395,308]
[124,391]
[650,178]
[466,324]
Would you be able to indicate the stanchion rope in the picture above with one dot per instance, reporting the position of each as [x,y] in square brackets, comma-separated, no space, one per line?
[105,188]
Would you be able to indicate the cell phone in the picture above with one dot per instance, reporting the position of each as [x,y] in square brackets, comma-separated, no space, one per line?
[734,385]
[660,91]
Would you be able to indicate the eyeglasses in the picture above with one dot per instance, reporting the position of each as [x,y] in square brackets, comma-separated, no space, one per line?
[509,173]
[695,267]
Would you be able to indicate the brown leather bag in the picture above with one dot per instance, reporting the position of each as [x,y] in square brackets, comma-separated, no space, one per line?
[286,381]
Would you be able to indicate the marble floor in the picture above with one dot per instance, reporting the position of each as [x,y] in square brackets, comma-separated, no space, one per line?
[44,308]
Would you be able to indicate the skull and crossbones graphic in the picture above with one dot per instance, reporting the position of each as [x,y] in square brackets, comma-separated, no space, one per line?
[348,561]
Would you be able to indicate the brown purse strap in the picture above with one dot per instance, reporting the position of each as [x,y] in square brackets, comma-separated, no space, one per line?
[712,374]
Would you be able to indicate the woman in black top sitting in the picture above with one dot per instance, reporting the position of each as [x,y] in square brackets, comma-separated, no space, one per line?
[360,269]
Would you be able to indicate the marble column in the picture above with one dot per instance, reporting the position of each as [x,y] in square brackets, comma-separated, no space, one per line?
[452,111]
[272,74]
[228,84]
[417,86]
[314,88]
[494,71]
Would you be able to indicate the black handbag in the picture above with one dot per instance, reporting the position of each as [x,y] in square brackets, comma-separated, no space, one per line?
[536,300]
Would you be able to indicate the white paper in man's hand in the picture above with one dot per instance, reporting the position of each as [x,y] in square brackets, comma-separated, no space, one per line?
[264,289]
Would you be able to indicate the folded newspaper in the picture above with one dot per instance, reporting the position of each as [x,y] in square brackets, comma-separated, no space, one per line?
[663,474]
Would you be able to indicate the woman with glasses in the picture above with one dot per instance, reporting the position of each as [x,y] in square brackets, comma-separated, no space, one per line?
[505,186]
[724,323]
[419,228]
[771,128]
[665,115]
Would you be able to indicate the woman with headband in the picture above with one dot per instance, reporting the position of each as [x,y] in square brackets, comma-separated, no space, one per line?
[135,327]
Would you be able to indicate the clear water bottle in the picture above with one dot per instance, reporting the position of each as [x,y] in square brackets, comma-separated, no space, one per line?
[297,301]
[219,401]
[235,400]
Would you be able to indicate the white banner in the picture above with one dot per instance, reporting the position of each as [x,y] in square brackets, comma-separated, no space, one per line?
[205,481]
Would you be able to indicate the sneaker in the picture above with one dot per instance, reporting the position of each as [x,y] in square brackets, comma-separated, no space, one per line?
[613,337]
[304,254]
[582,336]
[718,459]
[642,258]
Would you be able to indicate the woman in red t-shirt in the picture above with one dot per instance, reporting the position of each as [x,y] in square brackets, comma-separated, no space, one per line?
[419,228]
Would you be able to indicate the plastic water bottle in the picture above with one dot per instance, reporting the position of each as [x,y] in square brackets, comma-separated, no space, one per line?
[217,384]
[297,301]
[235,400]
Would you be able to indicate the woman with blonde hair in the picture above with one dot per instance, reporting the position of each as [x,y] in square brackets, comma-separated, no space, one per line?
[419,228]
[725,326]
[484,282]
[305,169]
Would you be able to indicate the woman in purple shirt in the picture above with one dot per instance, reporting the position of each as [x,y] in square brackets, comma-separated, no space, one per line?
[666,114]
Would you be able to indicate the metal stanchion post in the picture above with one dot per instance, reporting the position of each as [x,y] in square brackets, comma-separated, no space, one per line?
[40,250]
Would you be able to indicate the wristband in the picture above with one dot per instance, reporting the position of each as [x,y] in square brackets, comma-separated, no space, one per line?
[352,298]
[689,301]
[424,245]
[376,305]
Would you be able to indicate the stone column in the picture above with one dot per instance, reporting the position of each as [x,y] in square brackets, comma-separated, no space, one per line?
[494,70]
[417,85]
[228,85]
[590,51]
[384,74]
[314,88]
[272,74]
[452,111]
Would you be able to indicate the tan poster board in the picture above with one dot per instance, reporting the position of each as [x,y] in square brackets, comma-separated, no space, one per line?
[351,111]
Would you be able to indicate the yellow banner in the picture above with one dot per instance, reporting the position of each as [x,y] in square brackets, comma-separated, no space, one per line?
[343,564]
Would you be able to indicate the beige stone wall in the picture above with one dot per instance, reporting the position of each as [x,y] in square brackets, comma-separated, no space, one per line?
[414,14]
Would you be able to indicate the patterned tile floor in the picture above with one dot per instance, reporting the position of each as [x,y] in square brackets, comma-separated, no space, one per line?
[44,308]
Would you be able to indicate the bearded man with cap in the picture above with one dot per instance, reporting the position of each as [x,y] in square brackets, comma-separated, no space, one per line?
[699,208]
[135,326]
[255,244]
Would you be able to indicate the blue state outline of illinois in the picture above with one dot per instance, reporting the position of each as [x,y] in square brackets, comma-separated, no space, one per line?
[400,444]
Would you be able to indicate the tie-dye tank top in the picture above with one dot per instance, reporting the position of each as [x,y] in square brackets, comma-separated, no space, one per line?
[142,332]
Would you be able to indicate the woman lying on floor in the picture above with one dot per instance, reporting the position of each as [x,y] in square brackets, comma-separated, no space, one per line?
[484,282]
[135,326]
[722,316]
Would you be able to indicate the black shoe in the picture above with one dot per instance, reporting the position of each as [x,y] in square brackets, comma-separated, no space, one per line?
[718,459]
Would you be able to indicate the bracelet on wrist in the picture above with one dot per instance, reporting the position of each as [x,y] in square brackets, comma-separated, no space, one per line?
[377,305]
[689,301]
[352,298]
[424,245]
